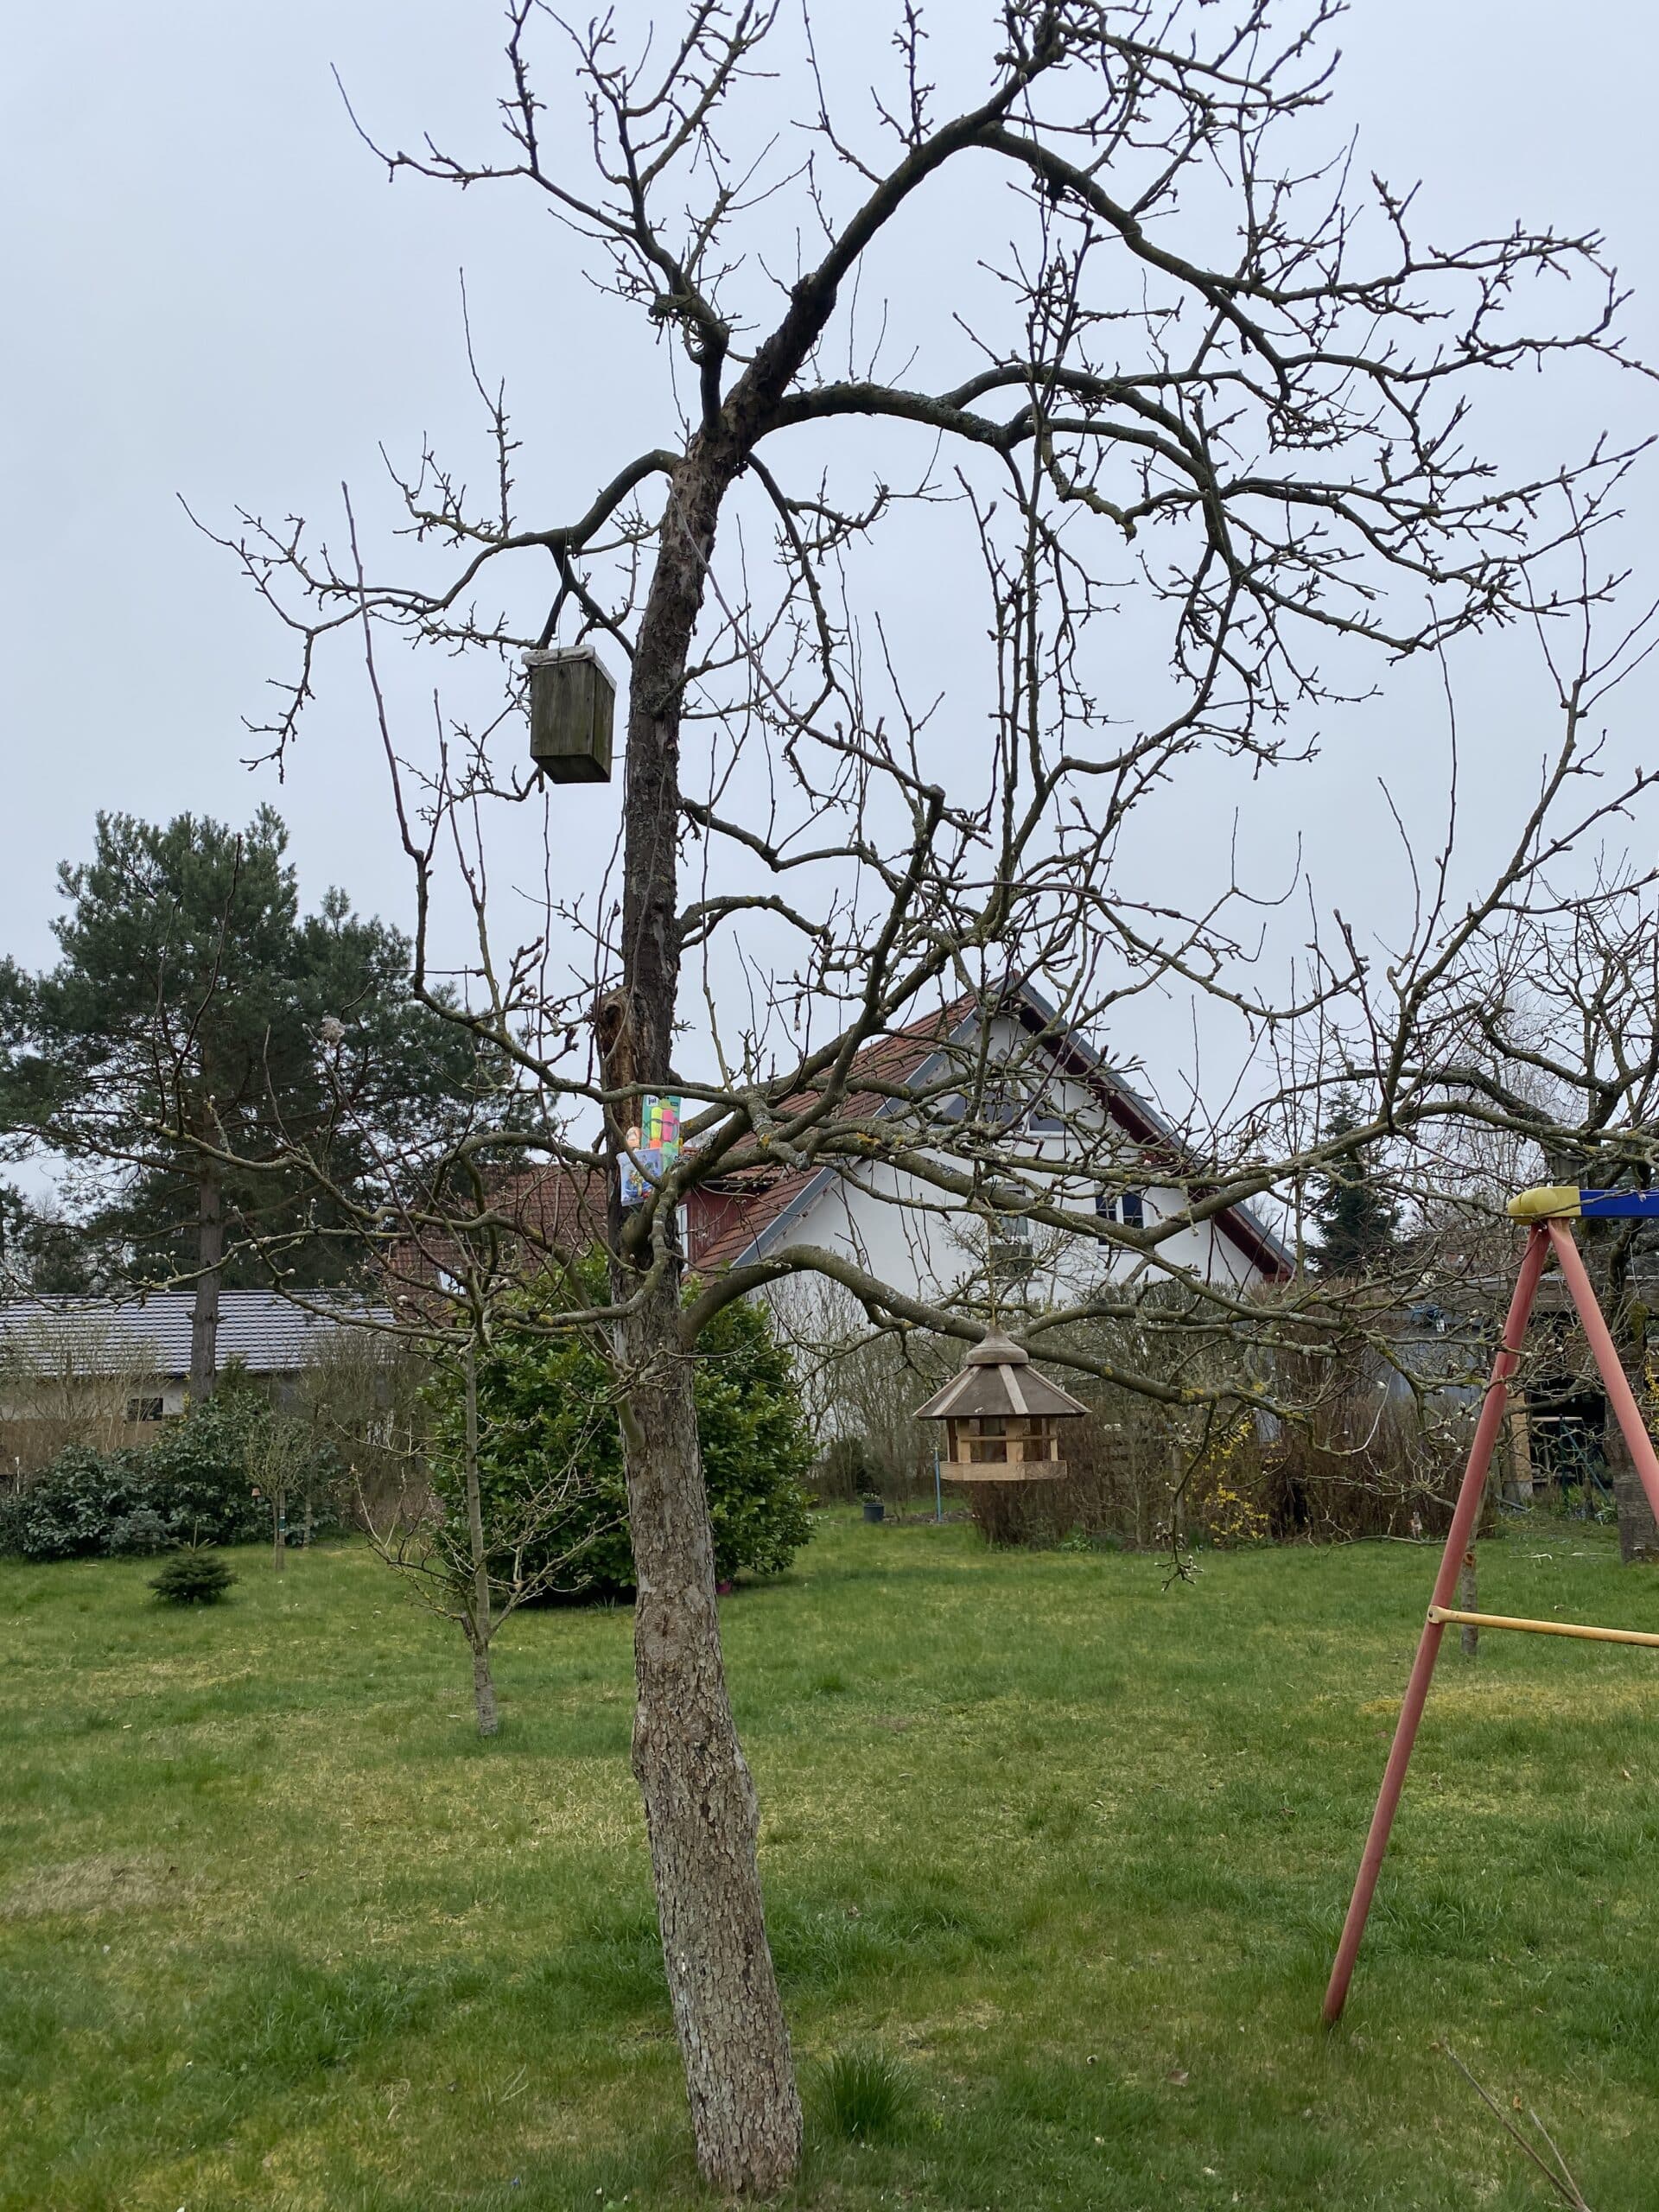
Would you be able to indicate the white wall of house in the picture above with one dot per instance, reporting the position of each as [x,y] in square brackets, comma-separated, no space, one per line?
[915,1238]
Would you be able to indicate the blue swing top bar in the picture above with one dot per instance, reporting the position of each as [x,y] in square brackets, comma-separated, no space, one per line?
[1560,1202]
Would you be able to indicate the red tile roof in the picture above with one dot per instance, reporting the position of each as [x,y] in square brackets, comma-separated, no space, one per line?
[724,1217]
[549,1208]
[559,1209]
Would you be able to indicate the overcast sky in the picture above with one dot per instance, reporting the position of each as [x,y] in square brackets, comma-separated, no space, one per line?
[214,298]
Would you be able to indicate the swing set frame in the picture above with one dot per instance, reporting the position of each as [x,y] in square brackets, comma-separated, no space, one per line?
[1548,1212]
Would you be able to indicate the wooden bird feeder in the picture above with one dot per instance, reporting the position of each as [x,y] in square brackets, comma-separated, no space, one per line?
[572,707]
[1002,1417]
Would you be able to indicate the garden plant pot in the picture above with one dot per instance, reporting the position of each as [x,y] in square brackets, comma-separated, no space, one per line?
[874,1510]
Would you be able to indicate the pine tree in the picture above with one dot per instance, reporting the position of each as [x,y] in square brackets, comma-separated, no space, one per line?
[1357,1222]
[196,1035]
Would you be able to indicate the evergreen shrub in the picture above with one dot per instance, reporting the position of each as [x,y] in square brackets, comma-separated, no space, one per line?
[193,1576]
[547,1416]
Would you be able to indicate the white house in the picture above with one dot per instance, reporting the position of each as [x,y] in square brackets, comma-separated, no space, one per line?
[1059,1111]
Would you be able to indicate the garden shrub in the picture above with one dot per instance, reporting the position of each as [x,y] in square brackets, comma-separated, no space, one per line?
[546,1410]
[198,1467]
[191,1486]
[68,1511]
[138,1533]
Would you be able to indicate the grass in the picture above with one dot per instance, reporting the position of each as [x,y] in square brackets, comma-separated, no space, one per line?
[863,2093]
[1065,1850]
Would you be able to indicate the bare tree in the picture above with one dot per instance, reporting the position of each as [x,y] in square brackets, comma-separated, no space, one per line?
[280,1450]
[476,1567]
[1204,373]
[363,1393]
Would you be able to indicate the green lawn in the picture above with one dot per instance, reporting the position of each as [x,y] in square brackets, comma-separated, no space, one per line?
[276,1930]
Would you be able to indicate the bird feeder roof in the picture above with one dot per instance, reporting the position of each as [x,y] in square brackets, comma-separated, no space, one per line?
[998,1379]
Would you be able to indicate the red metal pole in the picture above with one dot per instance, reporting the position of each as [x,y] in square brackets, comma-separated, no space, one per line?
[1464,1518]
[1638,1442]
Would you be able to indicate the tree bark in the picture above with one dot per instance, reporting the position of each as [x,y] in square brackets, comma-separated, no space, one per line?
[204,1319]
[481,1627]
[701,1814]
[1638,1533]
[1627,1318]
[489,1717]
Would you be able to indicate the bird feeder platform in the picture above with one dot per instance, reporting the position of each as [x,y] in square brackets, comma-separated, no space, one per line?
[1002,1417]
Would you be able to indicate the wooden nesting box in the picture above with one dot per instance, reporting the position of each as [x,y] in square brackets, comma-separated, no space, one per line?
[572,707]
[1002,1417]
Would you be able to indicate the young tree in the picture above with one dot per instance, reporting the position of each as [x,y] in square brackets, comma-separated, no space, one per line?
[282,1464]
[1200,368]
[472,1562]
[193,1029]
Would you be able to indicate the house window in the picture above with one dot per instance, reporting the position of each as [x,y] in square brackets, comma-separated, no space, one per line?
[1130,1207]
[1011,1253]
[141,1409]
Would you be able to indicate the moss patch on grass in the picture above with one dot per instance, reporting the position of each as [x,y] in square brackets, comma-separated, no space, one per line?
[1067,1848]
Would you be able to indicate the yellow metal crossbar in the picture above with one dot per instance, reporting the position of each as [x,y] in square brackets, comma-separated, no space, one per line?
[1443,1614]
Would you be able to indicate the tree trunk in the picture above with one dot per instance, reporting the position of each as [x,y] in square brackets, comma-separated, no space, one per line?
[480,1630]
[1520,1445]
[204,1319]
[701,1811]
[279,1530]
[701,1814]
[489,1719]
[1638,1535]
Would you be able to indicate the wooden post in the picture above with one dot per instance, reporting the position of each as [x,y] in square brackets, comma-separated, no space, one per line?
[1520,1446]
[1469,1602]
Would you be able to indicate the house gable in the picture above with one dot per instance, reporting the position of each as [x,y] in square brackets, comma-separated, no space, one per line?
[752,1218]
